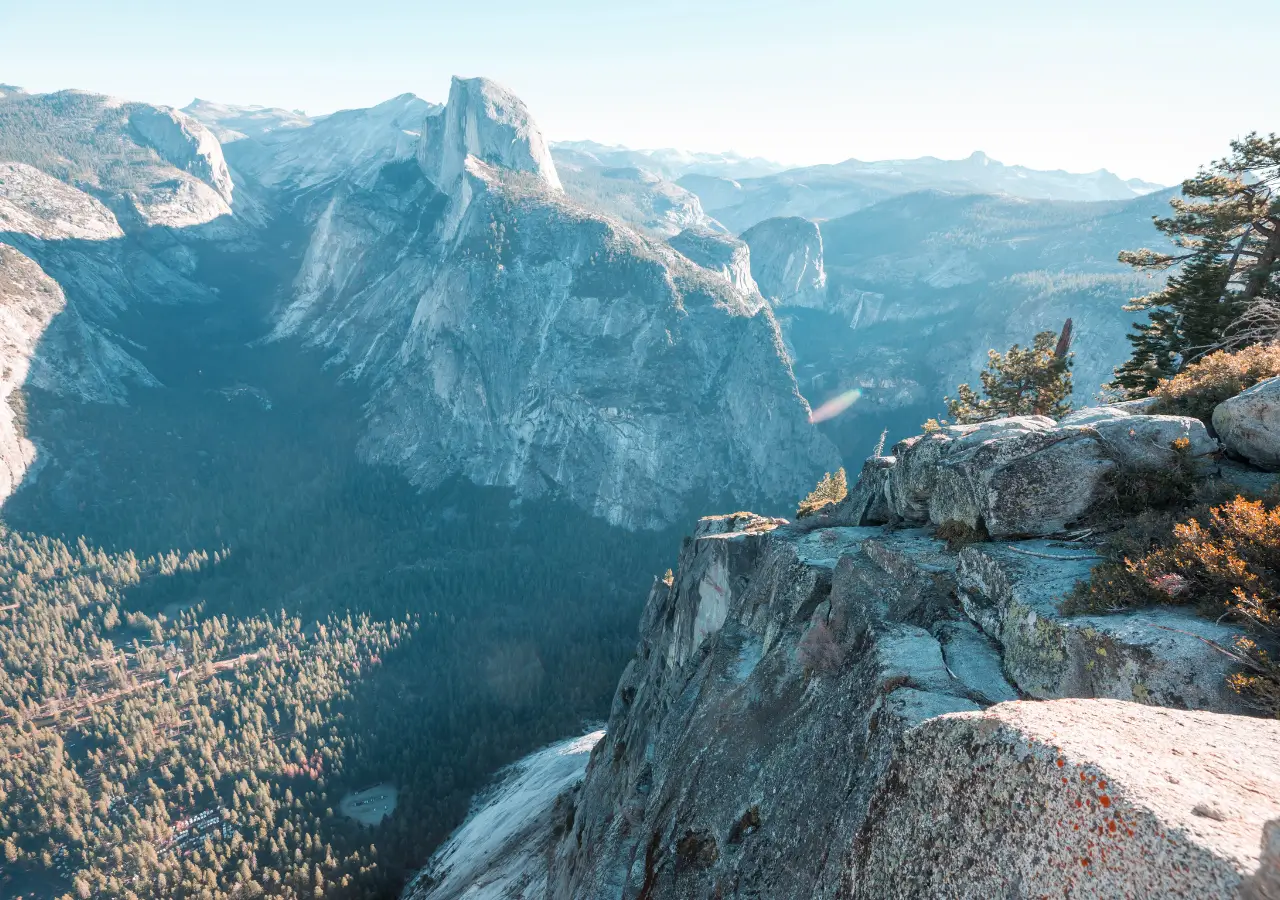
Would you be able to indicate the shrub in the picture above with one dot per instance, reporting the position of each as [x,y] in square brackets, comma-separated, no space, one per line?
[1230,560]
[1225,559]
[830,491]
[1201,386]
[819,650]
[1130,493]
[1231,563]
[1112,586]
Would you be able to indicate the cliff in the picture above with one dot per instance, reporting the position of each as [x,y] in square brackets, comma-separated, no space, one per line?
[786,260]
[840,708]
[515,338]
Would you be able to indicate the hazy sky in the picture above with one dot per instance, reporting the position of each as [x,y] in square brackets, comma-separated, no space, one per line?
[1078,84]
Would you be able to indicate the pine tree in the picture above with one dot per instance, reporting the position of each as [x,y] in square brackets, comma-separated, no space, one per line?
[1035,381]
[830,490]
[1226,290]
[1185,320]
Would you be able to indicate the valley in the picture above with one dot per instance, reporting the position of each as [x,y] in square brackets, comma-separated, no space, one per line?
[249,452]
[380,426]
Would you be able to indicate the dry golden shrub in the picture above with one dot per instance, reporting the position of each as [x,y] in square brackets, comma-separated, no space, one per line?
[830,491]
[1219,376]
[1225,560]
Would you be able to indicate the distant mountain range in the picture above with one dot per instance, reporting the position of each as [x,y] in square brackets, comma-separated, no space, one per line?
[737,191]
[397,239]
[667,162]
[830,191]
[347,186]
[666,190]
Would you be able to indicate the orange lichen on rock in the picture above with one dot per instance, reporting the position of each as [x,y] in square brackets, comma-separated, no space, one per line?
[1123,828]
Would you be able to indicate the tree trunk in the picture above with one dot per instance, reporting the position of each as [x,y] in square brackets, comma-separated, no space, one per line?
[1260,273]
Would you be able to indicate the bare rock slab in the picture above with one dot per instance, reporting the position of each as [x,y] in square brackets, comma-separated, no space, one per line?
[1075,799]
[1167,655]
[1020,476]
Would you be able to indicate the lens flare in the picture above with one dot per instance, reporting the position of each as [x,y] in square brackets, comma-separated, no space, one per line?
[836,405]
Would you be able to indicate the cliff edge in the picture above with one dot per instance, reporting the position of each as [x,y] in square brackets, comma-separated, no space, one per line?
[847,706]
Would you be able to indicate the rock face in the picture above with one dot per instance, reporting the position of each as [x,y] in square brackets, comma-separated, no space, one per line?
[1026,475]
[48,340]
[185,144]
[772,655]
[1168,656]
[805,700]
[502,852]
[514,338]
[48,344]
[40,206]
[114,220]
[485,121]
[721,253]
[786,260]
[1249,423]
[1075,799]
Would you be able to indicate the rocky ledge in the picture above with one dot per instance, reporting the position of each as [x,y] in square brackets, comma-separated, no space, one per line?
[840,709]
[1106,799]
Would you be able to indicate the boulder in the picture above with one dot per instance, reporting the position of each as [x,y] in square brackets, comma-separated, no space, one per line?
[1022,475]
[1249,423]
[1144,443]
[1075,798]
[1017,476]
[1165,655]
[867,502]
[1030,483]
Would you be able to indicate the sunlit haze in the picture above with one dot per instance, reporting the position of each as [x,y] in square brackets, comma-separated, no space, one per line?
[1078,86]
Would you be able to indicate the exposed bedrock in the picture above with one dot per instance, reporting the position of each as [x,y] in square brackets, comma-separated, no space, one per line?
[789,722]
[1026,475]
[1076,798]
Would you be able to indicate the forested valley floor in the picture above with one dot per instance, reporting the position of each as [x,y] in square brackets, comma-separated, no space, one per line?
[220,622]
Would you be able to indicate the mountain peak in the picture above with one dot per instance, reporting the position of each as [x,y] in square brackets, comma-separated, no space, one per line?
[184,142]
[483,120]
[7,90]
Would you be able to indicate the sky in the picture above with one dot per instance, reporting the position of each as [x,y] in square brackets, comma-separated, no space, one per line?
[1077,85]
